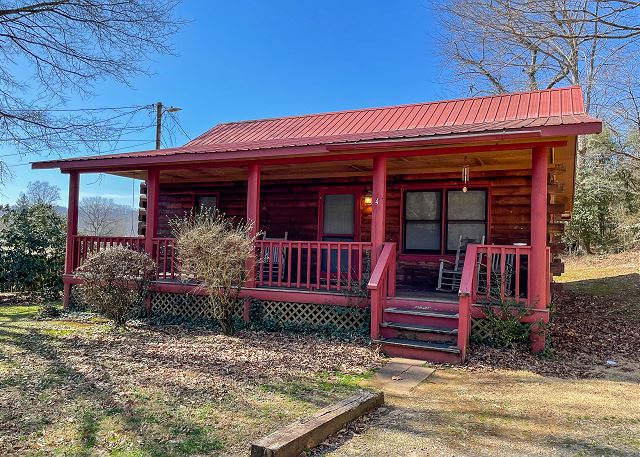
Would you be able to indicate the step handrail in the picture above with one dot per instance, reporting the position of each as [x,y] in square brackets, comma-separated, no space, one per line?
[466,297]
[382,282]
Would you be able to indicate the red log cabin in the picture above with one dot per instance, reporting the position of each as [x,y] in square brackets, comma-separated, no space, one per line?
[406,219]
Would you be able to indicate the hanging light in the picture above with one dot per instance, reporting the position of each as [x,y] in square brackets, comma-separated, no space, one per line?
[465,174]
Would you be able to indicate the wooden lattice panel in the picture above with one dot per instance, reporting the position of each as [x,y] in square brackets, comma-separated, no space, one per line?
[480,329]
[191,307]
[342,318]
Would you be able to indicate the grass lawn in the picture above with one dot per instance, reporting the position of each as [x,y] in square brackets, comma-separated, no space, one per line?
[74,387]
[505,403]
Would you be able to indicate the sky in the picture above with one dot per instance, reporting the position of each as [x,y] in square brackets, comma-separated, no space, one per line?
[240,59]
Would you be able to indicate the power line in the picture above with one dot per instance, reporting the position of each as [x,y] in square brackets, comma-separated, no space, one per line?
[71,110]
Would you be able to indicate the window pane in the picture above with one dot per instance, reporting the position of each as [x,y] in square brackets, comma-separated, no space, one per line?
[206,201]
[467,206]
[471,233]
[339,211]
[423,206]
[422,236]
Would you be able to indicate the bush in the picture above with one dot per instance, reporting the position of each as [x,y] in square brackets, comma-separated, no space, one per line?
[115,282]
[216,251]
[501,326]
[32,249]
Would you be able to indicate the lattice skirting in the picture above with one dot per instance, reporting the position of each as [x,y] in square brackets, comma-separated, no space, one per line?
[309,314]
[196,307]
[187,306]
[480,329]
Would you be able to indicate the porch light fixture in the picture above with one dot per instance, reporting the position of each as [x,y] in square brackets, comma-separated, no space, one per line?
[368,199]
[465,174]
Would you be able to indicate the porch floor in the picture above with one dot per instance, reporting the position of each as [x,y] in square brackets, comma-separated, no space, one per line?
[401,292]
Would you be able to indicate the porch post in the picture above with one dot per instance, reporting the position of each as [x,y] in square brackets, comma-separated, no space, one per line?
[379,208]
[72,232]
[538,265]
[253,215]
[151,231]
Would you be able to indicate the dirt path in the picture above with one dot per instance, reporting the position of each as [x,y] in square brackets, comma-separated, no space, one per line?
[505,413]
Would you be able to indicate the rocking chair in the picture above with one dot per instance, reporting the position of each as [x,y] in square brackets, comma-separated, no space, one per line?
[450,273]
[494,287]
[274,257]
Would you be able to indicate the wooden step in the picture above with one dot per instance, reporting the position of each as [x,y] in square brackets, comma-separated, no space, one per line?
[447,305]
[423,312]
[420,328]
[421,350]
[426,317]
[420,345]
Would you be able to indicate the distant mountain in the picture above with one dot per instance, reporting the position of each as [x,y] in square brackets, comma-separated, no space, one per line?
[124,218]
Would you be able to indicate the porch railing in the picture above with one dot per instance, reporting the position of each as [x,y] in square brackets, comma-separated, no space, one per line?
[493,274]
[88,245]
[164,254]
[381,285]
[313,265]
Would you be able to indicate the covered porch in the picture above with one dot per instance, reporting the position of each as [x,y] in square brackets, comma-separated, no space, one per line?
[345,233]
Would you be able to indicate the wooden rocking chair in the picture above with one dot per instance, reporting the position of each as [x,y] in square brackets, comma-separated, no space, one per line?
[450,273]
[274,257]
[495,283]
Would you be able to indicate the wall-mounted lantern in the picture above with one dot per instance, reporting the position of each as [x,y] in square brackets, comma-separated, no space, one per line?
[368,198]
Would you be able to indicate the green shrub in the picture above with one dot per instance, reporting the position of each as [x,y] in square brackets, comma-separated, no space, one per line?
[502,326]
[115,282]
[32,249]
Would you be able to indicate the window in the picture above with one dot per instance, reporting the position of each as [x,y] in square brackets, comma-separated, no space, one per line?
[206,201]
[427,223]
[423,221]
[466,216]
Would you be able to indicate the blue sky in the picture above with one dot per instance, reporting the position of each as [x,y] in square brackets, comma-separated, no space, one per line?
[251,59]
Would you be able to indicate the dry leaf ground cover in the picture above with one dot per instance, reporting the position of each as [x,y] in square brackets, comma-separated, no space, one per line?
[505,403]
[74,387]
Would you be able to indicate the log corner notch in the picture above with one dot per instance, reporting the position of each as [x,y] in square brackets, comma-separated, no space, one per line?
[291,440]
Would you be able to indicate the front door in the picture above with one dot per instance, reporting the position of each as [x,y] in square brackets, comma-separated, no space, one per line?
[338,222]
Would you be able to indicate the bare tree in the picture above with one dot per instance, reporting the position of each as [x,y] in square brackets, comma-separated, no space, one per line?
[42,193]
[99,216]
[68,45]
[504,45]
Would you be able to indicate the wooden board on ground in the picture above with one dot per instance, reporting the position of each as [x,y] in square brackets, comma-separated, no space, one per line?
[290,441]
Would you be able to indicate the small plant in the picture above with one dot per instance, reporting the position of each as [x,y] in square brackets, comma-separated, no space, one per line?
[115,283]
[502,326]
[49,311]
[218,252]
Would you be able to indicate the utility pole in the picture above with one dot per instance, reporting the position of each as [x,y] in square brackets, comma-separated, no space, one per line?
[160,110]
[158,124]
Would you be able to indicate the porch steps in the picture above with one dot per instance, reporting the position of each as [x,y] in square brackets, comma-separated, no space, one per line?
[421,329]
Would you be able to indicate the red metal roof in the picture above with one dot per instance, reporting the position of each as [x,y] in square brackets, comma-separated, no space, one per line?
[548,112]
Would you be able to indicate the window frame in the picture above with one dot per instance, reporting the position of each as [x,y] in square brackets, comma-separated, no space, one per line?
[443,188]
[439,221]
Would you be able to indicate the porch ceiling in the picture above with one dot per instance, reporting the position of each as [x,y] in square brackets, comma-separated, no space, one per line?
[431,164]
